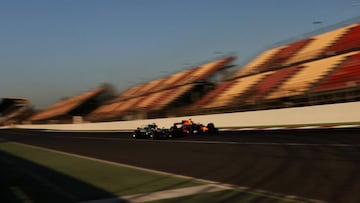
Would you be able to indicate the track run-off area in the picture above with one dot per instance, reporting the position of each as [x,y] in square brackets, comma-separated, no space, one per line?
[303,165]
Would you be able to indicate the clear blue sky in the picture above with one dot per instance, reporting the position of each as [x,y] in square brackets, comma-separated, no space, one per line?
[52,49]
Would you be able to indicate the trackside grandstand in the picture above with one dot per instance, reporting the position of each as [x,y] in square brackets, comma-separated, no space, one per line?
[14,110]
[156,98]
[321,68]
[318,70]
[65,110]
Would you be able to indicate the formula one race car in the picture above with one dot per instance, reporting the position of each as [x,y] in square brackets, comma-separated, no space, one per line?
[151,131]
[188,127]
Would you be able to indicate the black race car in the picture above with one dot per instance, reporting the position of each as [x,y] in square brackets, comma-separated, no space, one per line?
[188,127]
[151,131]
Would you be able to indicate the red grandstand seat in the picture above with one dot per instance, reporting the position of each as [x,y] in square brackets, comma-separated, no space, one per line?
[223,86]
[284,54]
[347,75]
[350,41]
[264,87]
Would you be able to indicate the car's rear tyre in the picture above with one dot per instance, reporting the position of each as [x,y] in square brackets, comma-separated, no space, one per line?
[153,136]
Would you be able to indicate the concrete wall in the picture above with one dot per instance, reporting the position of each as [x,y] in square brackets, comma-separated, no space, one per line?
[334,113]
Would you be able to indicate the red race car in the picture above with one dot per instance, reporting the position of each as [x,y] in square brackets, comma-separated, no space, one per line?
[188,127]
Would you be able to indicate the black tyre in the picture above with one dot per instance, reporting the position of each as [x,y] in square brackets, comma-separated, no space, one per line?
[210,126]
[212,129]
[153,136]
[134,136]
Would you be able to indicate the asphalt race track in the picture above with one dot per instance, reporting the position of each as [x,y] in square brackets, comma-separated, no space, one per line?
[321,164]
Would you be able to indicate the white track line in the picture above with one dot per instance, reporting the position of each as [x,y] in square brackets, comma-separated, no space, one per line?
[292,127]
[165,194]
[173,193]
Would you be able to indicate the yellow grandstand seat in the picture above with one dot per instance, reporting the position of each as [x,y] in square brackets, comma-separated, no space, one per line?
[170,95]
[252,67]
[65,106]
[239,87]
